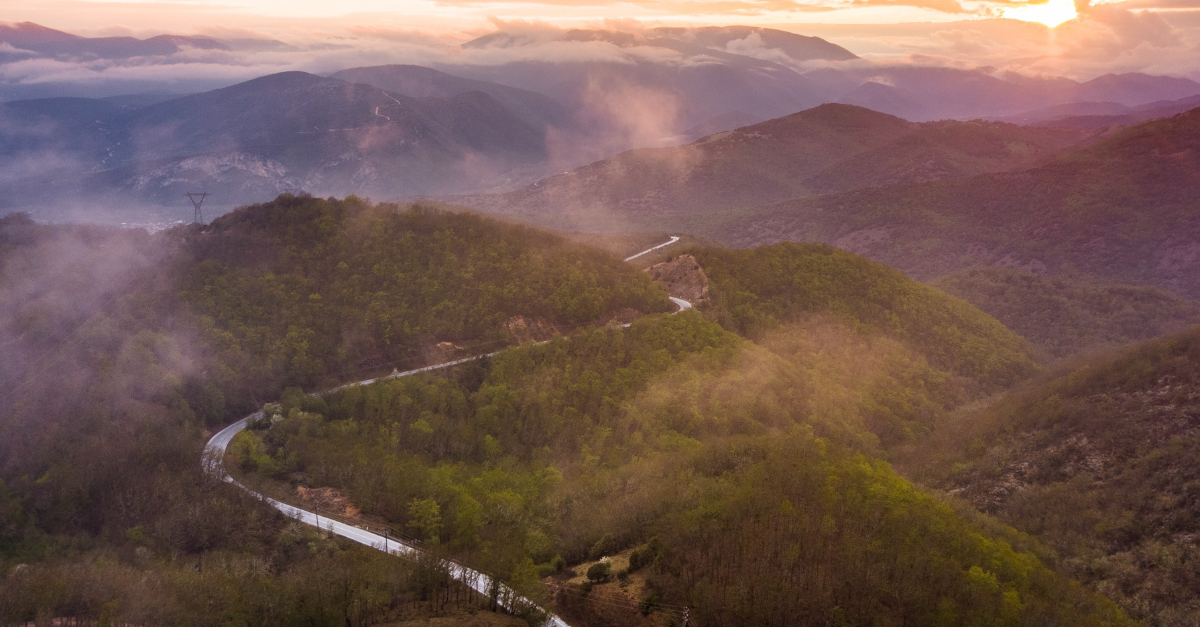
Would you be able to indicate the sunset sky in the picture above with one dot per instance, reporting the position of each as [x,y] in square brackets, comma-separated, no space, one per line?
[1157,36]
[457,14]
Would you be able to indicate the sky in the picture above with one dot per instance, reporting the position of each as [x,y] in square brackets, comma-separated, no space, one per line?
[1076,38]
[458,15]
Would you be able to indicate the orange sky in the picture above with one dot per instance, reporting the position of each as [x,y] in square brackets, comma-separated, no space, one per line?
[1156,36]
[461,15]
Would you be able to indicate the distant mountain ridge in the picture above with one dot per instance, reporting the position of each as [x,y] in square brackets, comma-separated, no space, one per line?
[717,38]
[1095,115]
[255,139]
[828,148]
[1124,210]
[415,81]
[27,37]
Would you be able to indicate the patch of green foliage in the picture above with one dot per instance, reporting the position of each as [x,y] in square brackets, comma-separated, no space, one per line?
[758,289]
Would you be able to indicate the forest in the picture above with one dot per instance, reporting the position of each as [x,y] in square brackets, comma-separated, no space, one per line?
[742,451]
[113,378]
[751,464]
[1097,459]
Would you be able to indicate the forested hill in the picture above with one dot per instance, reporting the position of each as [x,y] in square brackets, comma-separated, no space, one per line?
[734,474]
[758,289]
[318,287]
[121,348]
[1122,211]
[1100,463]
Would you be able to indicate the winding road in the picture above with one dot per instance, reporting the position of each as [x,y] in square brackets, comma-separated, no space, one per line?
[674,238]
[214,456]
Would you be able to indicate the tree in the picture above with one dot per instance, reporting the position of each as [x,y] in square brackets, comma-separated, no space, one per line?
[425,515]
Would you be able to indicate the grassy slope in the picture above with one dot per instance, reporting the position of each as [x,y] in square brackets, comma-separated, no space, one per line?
[1123,210]
[1064,317]
[1100,463]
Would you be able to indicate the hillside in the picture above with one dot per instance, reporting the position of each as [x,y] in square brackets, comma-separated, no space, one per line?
[1121,211]
[827,148]
[756,290]
[122,348]
[1066,318]
[1099,463]
[710,455]
[924,93]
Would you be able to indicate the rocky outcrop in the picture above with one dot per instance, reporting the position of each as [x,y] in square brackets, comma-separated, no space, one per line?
[683,278]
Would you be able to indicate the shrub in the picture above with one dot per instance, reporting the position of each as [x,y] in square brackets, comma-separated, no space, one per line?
[599,571]
[650,603]
[606,545]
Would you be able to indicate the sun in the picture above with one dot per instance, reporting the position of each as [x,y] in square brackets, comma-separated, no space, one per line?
[1051,13]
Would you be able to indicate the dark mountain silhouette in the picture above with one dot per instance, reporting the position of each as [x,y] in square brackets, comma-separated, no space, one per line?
[796,47]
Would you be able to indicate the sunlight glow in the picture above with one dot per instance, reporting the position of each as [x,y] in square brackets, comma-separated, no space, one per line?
[1051,13]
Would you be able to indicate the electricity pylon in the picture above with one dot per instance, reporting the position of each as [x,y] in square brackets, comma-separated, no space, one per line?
[193,196]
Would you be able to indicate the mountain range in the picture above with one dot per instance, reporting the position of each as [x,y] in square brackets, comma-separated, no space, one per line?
[825,149]
[31,40]
[550,101]
[1123,210]
[255,139]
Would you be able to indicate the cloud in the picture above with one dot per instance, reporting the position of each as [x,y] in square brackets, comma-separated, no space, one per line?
[1104,38]
[944,6]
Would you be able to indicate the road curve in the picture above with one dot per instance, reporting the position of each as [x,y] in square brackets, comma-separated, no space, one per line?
[674,238]
[214,456]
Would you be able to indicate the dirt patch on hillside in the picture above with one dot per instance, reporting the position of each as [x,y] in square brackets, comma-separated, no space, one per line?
[525,330]
[683,278]
[329,500]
